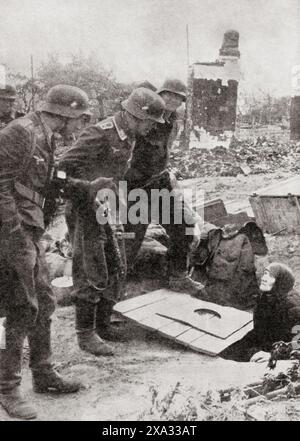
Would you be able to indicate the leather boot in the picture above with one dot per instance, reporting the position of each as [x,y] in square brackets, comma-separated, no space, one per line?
[44,377]
[48,380]
[10,376]
[88,340]
[184,283]
[105,329]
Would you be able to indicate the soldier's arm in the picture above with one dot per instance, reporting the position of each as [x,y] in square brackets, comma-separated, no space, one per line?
[91,144]
[14,149]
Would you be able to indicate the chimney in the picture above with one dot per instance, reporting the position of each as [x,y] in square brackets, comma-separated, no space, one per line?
[230,46]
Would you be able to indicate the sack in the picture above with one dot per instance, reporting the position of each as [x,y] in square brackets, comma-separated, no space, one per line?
[228,264]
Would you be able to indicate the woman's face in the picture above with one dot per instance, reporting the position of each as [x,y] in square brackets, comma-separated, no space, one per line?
[267,281]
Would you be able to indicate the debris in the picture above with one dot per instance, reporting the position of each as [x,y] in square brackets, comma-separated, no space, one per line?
[247,156]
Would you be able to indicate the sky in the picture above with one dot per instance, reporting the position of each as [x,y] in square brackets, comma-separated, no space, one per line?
[146,39]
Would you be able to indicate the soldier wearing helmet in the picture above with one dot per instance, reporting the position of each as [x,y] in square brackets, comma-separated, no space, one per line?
[8,96]
[172,90]
[103,149]
[149,169]
[27,147]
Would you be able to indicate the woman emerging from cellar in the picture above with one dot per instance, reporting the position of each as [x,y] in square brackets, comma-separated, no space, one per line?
[276,313]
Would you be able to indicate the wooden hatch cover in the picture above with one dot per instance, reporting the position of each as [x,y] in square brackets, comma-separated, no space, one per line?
[202,326]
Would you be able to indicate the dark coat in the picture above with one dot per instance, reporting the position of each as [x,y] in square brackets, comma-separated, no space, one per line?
[275,314]
[274,317]
[102,150]
[26,157]
[151,153]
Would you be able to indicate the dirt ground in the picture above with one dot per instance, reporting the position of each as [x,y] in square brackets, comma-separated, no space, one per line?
[119,387]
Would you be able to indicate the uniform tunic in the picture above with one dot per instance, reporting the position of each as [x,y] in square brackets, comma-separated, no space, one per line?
[150,158]
[26,158]
[102,150]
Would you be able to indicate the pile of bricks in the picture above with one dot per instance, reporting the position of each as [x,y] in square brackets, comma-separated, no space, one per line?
[261,155]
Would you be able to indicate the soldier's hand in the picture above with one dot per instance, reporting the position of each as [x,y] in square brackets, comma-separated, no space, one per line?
[101,183]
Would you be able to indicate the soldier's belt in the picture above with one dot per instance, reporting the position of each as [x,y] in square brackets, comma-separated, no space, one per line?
[29,194]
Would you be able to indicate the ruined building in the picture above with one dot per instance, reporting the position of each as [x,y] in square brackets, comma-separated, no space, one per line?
[212,97]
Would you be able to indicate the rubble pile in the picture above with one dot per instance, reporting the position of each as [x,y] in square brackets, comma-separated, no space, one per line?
[255,402]
[262,155]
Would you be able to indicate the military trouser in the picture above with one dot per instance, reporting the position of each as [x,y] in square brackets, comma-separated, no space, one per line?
[99,268]
[168,218]
[28,302]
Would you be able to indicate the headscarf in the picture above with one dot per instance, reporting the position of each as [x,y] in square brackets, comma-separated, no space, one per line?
[284,278]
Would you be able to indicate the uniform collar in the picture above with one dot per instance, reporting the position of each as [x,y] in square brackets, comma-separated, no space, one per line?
[122,127]
[48,132]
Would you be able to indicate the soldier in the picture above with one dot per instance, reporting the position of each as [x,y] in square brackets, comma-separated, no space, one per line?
[26,164]
[8,96]
[149,170]
[99,265]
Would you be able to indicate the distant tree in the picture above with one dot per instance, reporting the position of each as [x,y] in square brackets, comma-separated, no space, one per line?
[29,91]
[262,108]
[86,73]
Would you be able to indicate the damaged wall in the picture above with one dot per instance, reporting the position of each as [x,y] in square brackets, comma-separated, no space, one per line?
[212,98]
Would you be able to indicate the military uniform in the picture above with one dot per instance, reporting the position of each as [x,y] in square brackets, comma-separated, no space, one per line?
[99,266]
[26,167]
[150,158]
[103,150]
[26,158]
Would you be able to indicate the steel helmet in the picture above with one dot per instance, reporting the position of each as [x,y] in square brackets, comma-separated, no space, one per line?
[147,85]
[68,101]
[145,104]
[8,93]
[174,86]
